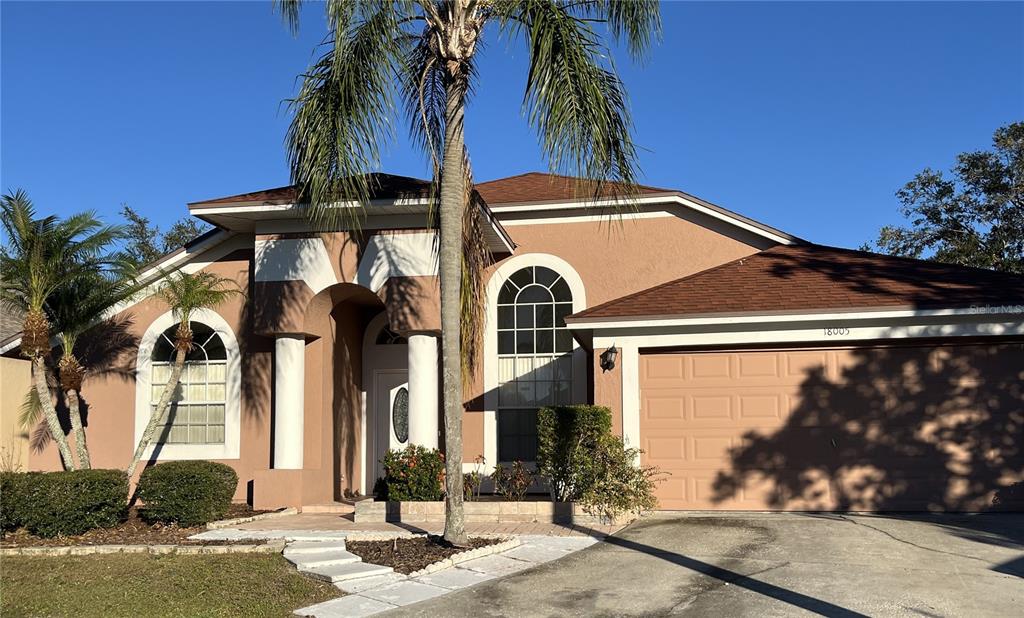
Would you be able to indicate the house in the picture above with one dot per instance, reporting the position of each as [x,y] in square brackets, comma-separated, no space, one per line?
[759,370]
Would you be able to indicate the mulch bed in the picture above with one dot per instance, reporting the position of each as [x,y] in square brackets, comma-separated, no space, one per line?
[406,555]
[134,531]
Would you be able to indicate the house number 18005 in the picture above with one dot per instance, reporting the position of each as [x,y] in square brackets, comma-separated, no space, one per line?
[836,332]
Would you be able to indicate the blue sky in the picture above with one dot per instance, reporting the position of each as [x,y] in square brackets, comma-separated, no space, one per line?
[807,116]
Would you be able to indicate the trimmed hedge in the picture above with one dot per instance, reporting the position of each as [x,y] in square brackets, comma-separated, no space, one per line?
[187,493]
[413,473]
[12,496]
[65,503]
[566,439]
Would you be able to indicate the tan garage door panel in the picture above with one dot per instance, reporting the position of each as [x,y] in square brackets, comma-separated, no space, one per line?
[884,428]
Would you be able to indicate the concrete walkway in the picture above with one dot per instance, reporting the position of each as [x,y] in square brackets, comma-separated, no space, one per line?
[316,545]
[343,523]
[770,565]
[373,594]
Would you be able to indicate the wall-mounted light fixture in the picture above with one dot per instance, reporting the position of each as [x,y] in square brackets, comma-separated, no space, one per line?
[608,358]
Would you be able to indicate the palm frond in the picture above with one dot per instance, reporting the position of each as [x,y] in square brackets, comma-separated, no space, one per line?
[31,408]
[289,10]
[637,22]
[185,293]
[574,99]
[343,115]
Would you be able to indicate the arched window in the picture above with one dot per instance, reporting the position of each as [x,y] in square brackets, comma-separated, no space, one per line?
[534,356]
[386,336]
[196,413]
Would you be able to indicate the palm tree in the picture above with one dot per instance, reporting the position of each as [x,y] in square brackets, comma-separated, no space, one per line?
[73,308]
[422,54]
[40,256]
[185,294]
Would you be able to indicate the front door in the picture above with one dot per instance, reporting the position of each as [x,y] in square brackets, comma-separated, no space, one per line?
[391,400]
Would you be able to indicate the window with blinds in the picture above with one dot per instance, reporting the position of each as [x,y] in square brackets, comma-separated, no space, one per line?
[196,413]
[534,356]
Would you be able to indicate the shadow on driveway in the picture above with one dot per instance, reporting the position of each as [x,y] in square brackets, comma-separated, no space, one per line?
[811,604]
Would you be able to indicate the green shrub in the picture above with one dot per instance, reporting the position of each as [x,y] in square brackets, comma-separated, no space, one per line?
[566,438]
[13,486]
[72,502]
[414,474]
[512,482]
[188,493]
[618,486]
[471,484]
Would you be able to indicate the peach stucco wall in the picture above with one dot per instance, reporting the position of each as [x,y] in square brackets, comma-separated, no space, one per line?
[109,390]
[612,259]
[615,258]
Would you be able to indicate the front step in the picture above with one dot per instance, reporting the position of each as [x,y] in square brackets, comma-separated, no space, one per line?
[309,560]
[335,573]
[314,547]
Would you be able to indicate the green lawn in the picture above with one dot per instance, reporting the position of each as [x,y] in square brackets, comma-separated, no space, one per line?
[156,586]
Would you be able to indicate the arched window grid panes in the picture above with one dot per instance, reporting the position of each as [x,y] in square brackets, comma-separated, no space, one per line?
[386,336]
[196,413]
[534,356]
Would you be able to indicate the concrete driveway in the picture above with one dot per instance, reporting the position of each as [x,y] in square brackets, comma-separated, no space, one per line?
[771,565]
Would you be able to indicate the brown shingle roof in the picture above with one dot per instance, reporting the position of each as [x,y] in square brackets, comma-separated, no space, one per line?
[529,187]
[541,187]
[381,186]
[809,277]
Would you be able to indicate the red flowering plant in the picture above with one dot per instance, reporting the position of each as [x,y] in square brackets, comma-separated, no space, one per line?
[412,474]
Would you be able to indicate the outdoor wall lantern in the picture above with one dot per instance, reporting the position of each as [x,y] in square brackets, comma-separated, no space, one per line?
[608,358]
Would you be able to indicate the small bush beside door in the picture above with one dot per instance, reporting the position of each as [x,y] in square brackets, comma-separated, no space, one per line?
[413,474]
[583,462]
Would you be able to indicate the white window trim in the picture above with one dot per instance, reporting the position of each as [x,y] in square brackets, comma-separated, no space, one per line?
[579,355]
[232,405]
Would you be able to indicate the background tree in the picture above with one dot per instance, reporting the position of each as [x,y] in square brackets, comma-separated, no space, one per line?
[40,256]
[185,294]
[144,242]
[973,217]
[423,53]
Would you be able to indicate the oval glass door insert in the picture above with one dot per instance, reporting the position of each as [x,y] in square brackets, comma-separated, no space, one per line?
[400,415]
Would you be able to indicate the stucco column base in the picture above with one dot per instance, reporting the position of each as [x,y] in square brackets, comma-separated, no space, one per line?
[277,488]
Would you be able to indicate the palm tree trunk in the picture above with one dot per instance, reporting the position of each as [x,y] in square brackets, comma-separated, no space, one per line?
[76,425]
[453,198]
[49,412]
[161,408]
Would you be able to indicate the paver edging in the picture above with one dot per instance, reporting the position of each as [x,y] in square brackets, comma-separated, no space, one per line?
[484,511]
[228,523]
[450,561]
[270,547]
[469,554]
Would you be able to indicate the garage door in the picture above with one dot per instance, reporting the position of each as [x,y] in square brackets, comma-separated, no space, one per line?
[935,427]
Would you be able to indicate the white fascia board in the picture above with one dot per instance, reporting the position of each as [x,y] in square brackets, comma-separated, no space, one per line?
[841,316]
[656,199]
[262,208]
[630,216]
[831,334]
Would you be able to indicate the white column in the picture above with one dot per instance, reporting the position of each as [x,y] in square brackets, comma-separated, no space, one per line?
[423,393]
[629,361]
[289,411]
